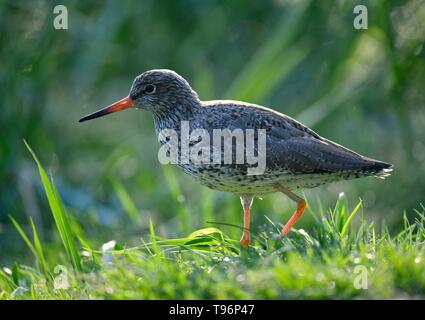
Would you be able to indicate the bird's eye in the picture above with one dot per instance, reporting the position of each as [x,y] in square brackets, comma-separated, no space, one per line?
[150,88]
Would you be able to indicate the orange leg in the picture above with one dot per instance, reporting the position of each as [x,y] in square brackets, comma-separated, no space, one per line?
[246,204]
[298,213]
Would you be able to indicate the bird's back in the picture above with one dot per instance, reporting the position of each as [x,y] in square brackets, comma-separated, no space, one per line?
[292,148]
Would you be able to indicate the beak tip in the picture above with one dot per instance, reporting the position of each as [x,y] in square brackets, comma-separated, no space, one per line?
[117,106]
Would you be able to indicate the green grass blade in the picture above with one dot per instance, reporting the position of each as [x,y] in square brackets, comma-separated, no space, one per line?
[59,214]
[40,252]
[153,237]
[69,235]
[208,232]
[24,237]
[88,248]
[351,216]
[36,248]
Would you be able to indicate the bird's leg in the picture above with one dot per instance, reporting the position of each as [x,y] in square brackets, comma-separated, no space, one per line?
[298,213]
[246,201]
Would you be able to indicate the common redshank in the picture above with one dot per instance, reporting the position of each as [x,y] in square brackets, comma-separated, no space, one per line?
[295,156]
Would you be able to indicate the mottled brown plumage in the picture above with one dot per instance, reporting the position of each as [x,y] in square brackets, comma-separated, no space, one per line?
[296,156]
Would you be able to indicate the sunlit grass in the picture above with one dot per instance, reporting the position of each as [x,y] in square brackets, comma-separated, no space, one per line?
[59,214]
[323,262]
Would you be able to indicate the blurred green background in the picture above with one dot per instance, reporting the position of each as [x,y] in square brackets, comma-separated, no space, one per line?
[361,88]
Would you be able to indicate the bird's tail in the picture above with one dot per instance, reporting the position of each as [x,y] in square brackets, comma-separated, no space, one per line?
[377,169]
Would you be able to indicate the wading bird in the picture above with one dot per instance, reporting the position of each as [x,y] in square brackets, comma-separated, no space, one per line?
[296,156]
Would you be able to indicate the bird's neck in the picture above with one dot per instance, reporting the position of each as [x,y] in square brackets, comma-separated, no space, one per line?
[172,116]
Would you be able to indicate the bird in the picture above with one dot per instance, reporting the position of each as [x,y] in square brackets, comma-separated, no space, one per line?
[296,157]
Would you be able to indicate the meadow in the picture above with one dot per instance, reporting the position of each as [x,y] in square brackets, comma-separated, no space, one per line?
[88,212]
[336,260]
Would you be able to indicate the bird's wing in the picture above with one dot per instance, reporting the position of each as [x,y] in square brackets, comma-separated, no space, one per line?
[299,149]
[291,145]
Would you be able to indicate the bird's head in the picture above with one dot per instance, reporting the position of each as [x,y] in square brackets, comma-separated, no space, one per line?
[160,91]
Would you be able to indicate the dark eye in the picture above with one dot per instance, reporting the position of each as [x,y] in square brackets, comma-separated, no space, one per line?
[150,88]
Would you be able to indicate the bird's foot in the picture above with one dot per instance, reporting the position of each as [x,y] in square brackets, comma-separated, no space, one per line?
[246,239]
[284,233]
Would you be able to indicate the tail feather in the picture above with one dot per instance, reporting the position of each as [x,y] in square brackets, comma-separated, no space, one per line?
[377,168]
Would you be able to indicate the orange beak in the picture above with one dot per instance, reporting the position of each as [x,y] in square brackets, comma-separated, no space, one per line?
[117,106]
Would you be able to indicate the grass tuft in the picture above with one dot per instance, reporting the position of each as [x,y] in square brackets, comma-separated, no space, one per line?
[59,214]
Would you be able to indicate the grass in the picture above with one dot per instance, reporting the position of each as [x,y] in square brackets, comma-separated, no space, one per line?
[343,257]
